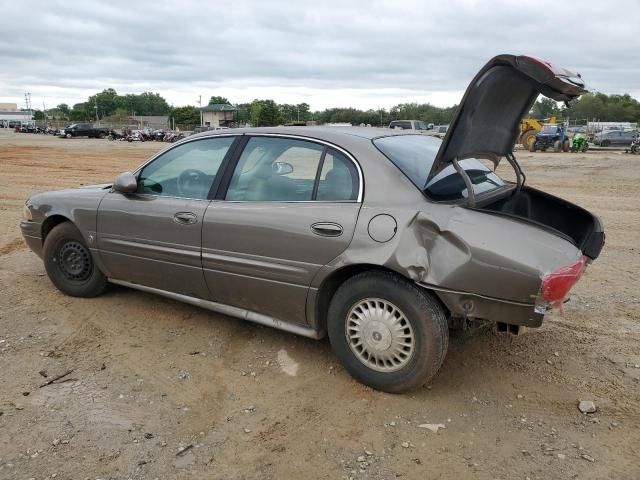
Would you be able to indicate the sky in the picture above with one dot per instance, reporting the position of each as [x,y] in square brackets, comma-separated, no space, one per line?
[363,54]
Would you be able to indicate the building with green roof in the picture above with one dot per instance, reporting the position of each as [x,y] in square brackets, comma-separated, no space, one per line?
[217,115]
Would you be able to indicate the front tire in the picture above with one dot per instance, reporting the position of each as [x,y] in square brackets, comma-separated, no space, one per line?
[527,138]
[69,263]
[387,333]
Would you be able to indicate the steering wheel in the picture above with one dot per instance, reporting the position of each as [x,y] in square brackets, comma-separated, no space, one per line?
[192,183]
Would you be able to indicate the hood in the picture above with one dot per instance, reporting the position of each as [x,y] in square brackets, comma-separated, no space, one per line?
[487,122]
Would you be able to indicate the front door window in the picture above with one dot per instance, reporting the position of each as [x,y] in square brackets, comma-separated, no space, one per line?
[186,171]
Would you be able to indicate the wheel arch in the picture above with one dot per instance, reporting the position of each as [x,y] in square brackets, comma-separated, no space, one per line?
[330,285]
[50,223]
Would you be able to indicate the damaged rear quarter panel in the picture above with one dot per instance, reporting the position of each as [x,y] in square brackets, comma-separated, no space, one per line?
[460,249]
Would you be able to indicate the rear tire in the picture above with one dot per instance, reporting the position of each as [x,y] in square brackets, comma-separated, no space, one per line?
[566,145]
[69,263]
[532,147]
[387,333]
[556,146]
[527,138]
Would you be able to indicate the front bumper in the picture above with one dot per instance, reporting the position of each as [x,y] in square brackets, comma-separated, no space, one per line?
[32,233]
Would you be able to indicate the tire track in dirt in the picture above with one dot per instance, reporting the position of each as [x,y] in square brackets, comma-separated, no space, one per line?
[13,246]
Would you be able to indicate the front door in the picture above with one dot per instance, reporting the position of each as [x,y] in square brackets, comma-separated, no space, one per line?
[290,207]
[153,237]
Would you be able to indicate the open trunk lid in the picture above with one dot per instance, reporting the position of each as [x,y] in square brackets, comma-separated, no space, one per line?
[487,122]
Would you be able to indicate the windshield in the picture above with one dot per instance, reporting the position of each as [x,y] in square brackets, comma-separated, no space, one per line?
[414,156]
[420,125]
[549,129]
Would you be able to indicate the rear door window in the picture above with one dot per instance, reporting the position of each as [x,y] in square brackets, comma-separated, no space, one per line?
[292,170]
[276,169]
[338,179]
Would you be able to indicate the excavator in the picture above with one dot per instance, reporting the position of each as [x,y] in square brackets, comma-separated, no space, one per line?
[529,127]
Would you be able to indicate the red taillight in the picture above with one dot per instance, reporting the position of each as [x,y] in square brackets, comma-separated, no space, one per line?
[556,285]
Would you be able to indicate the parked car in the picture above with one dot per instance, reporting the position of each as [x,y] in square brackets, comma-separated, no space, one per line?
[614,137]
[380,238]
[439,131]
[83,130]
[410,125]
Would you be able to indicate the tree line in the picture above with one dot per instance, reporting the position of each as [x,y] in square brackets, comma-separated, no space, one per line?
[266,112]
[589,107]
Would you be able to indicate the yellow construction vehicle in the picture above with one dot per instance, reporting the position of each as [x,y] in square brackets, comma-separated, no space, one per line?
[528,129]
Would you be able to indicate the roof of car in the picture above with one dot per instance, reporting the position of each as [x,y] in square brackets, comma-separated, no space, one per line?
[330,134]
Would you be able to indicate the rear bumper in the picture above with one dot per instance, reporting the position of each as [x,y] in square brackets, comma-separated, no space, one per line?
[471,305]
[31,231]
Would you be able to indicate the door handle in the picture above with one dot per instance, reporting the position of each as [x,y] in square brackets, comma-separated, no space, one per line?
[327,229]
[185,218]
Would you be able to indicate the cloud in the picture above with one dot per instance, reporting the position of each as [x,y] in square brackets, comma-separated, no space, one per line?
[332,53]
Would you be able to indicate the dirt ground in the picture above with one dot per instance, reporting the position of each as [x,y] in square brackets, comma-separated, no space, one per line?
[165,390]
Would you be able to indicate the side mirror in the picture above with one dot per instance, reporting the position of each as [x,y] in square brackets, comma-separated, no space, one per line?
[126,182]
[282,168]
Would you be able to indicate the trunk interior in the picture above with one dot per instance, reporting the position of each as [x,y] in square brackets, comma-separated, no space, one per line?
[555,214]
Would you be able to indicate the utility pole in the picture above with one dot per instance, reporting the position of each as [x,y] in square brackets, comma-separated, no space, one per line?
[200,104]
[96,107]
[27,101]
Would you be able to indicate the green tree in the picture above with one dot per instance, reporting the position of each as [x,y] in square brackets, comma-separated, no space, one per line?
[243,114]
[79,112]
[265,113]
[38,115]
[147,103]
[218,99]
[105,101]
[604,108]
[185,115]
[153,104]
[545,108]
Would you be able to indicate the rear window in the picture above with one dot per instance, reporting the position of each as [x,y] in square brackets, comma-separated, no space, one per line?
[414,156]
[402,125]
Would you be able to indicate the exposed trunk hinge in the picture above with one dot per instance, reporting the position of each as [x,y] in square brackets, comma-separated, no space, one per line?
[471,195]
[521,178]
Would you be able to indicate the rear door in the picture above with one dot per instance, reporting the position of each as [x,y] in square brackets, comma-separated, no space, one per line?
[627,137]
[153,237]
[287,207]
